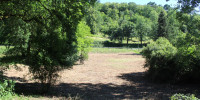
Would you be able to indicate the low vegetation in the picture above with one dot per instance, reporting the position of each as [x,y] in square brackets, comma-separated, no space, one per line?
[183,97]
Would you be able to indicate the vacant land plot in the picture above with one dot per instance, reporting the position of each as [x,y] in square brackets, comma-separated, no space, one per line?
[104,76]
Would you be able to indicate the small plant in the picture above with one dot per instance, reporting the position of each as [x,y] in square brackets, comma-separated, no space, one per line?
[77,97]
[7,91]
[7,88]
[184,97]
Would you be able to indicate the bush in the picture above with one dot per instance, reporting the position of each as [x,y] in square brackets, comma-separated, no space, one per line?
[7,88]
[183,97]
[7,91]
[160,59]
[84,40]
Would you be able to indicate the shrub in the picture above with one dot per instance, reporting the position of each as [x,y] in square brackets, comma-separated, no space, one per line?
[7,88]
[183,97]
[84,40]
[7,91]
[160,59]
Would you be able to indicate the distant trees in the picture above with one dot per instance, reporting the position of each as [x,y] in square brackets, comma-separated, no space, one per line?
[119,22]
[143,27]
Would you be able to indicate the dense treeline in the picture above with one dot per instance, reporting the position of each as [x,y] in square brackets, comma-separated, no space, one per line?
[126,20]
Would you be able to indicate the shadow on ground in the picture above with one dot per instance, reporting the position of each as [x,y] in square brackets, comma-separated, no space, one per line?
[130,54]
[137,89]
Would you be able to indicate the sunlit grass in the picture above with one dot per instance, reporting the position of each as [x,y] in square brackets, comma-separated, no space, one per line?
[115,50]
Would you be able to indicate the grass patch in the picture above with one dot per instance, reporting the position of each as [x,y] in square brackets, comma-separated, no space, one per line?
[137,51]
[114,50]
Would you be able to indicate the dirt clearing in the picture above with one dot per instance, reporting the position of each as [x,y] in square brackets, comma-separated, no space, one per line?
[105,77]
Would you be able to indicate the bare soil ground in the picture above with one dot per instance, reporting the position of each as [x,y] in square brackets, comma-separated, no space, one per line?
[103,77]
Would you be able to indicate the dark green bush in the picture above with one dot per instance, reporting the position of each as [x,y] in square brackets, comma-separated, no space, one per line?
[160,59]
[167,63]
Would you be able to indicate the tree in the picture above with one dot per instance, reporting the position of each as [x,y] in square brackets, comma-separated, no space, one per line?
[128,29]
[113,13]
[154,19]
[94,20]
[173,26]
[161,26]
[43,34]
[143,27]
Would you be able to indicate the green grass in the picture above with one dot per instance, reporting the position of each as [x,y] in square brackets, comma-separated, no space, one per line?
[114,50]
[137,51]
[100,37]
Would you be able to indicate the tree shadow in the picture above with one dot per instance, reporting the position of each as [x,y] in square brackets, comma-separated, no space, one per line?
[158,90]
[138,88]
[130,54]
[113,44]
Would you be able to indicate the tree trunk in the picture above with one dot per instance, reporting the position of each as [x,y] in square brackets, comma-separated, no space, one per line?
[127,40]
[141,40]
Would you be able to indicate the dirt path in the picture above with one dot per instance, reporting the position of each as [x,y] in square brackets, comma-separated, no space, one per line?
[107,77]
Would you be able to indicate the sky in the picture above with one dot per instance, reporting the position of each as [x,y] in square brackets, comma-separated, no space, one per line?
[144,2]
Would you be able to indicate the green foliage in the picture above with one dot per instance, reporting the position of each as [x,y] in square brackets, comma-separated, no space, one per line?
[173,27]
[160,60]
[7,88]
[162,26]
[183,97]
[3,49]
[7,91]
[94,20]
[84,40]
[143,27]
[42,33]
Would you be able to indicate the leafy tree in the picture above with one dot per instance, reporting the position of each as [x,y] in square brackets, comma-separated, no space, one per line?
[113,13]
[143,27]
[128,29]
[123,7]
[173,27]
[94,20]
[154,19]
[43,34]
[132,6]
